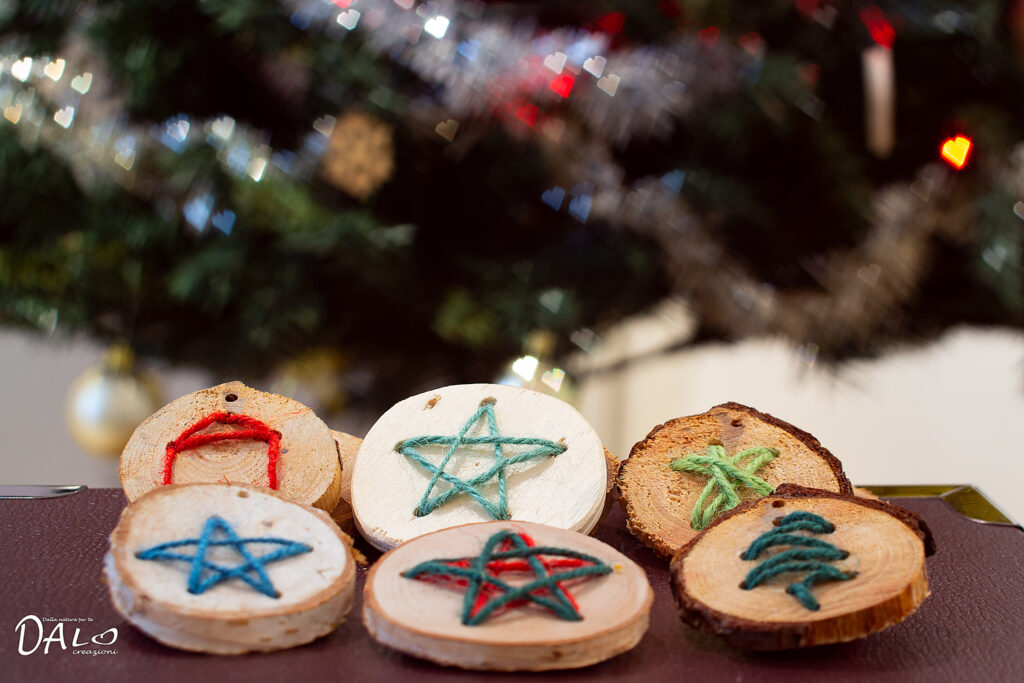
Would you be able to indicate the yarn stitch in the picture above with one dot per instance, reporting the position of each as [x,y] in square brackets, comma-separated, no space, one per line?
[252,429]
[811,557]
[513,551]
[472,487]
[726,475]
[198,583]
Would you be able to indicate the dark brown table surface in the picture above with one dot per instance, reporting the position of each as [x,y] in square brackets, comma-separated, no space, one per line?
[969,629]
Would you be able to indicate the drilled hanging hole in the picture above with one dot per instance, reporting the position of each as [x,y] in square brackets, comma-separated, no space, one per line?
[778,503]
[736,422]
[231,398]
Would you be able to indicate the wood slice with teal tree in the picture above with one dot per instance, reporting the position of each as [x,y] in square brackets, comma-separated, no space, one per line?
[803,567]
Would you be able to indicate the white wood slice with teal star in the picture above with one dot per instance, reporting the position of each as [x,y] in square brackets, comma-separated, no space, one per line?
[228,568]
[476,453]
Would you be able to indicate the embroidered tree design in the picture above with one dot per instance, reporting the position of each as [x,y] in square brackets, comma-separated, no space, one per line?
[812,555]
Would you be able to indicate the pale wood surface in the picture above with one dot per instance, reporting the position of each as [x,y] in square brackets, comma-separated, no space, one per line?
[887,554]
[659,500]
[348,446]
[424,619]
[315,588]
[566,491]
[308,470]
[861,492]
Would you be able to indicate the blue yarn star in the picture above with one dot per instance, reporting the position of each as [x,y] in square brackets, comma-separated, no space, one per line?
[472,486]
[252,572]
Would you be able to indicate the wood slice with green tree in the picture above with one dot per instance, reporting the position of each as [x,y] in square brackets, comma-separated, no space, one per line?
[803,567]
[691,469]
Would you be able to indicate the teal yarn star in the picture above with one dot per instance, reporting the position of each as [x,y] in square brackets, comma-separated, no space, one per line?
[811,555]
[472,487]
[206,574]
[725,476]
[506,552]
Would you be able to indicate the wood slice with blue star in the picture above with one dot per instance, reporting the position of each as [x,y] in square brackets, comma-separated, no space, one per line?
[803,567]
[690,470]
[507,596]
[473,453]
[229,568]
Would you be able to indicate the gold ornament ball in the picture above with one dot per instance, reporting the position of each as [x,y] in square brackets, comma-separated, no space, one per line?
[107,402]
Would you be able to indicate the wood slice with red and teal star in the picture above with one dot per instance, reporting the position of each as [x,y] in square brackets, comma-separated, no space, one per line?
[507,596]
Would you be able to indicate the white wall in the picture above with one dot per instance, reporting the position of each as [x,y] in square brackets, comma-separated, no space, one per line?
[36,447]
[948,412]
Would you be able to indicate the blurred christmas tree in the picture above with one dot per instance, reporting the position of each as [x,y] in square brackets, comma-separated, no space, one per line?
[421,184]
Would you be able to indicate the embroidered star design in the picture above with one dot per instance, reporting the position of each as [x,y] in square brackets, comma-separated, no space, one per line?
[472,487]
[513,552]
[206,574]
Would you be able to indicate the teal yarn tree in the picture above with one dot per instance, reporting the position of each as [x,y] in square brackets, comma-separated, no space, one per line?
[473,486]
[726,475]
[812,555]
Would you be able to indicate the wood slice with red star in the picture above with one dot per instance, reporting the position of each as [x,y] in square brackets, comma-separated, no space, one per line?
[228,569]
[231,433]
[507,596]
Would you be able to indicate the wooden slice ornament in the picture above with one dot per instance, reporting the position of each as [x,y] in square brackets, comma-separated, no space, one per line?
[692,469]
[477,452]
[348,446]
[862,492]
[228,569]
[231,433]
[803,567]
[507,596]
